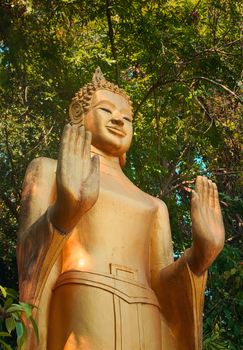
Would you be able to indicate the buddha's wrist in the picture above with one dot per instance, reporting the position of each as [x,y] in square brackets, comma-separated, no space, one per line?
[59,221]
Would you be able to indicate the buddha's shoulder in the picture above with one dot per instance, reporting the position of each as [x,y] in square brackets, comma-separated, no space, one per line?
[159,205]
[41,166]
[40,173]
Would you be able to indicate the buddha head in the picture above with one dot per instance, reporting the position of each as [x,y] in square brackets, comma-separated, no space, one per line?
[105,110]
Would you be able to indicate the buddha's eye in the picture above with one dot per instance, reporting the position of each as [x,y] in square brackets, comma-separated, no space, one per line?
[105,110]
[128,119]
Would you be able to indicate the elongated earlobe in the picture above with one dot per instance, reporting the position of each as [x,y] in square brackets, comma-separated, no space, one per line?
[122,160]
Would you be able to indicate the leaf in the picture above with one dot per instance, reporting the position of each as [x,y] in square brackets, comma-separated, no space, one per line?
[21,334]
[3,291]
[5,334]
[15,308]
[27,309]
[35,329]
[8,302]
[10,324]
[12,293]
[19,329]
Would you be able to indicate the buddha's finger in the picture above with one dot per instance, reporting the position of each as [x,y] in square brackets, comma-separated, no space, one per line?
[216,197]
[210,194]
[86,159]
[73,140]
[65,138]
[194,199]
[87,145]
[80,142]
[64,147]
[91,186]
[199,187]
[205,191]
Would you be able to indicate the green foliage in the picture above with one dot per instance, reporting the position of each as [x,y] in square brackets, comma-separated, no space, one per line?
[212,342]
[224,299]
[187,106]
[11,319]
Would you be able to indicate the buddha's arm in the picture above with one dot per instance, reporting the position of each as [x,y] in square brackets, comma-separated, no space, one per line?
[179,291]
[37,253]
[38,242]
[54,199]
[180,285]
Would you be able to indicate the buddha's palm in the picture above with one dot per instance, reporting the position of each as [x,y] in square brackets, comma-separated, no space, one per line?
[207,225]
[77,178]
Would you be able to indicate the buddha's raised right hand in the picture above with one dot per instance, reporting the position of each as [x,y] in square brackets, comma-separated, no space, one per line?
[77,179]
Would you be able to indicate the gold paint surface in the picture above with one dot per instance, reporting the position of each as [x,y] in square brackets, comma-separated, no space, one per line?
[95,252]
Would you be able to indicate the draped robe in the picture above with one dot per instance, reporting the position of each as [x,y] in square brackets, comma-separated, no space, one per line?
[179,292]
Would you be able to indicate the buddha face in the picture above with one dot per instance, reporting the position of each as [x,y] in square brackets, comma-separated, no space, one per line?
[110,122]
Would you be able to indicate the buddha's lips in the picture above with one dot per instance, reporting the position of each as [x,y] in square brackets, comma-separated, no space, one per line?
[116,130]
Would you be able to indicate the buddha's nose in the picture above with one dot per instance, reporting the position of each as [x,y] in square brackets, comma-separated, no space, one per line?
[117,118]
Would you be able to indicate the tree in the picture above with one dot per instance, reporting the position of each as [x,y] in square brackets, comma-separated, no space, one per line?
[187,105]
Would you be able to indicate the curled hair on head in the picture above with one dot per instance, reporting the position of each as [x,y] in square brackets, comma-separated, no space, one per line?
[81,102]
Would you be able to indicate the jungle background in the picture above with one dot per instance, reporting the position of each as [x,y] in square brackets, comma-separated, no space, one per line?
[181,62]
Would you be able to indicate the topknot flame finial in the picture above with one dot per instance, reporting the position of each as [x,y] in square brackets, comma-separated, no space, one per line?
[98,76]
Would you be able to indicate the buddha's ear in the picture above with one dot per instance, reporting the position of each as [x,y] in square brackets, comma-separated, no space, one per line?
[122,160]
[76,113]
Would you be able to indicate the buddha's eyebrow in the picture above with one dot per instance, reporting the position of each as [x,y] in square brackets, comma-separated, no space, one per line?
[106,102]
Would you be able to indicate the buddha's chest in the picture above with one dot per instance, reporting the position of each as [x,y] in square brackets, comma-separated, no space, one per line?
[116,230]
[122,216]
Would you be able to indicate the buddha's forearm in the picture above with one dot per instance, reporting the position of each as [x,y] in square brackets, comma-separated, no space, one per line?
[201,256]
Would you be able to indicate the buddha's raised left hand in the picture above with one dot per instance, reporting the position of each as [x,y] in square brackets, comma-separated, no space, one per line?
[207,226]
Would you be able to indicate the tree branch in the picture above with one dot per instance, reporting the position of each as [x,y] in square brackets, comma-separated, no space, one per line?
[41,139]
[226,172]
[153,88]
[217,84]
[164,189]
[196,6]
[160,83]
[233,238]
[111,37]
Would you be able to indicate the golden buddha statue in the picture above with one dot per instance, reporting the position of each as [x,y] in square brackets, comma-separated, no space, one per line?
[95,252]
